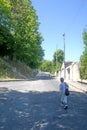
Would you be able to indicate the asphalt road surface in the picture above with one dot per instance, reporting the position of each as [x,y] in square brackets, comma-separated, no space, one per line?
[35,105]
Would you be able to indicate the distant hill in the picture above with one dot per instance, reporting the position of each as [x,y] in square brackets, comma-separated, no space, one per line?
[15,70]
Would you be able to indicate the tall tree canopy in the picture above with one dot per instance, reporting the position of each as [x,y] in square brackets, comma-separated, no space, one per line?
[58,58]
[83,59]
[19,17]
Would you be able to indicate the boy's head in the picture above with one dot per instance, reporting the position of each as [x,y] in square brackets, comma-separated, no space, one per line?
[62,79]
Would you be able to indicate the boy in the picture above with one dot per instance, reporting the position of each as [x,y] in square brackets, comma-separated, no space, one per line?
[63,86]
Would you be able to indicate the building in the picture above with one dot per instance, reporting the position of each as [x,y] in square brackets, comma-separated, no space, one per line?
[71,71]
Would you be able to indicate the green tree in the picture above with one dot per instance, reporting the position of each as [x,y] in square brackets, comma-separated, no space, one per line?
[83,59]
[46,66]
[28,39]
[58,58]
[20,24]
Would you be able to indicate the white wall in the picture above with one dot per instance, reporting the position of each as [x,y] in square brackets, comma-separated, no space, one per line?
[72,72]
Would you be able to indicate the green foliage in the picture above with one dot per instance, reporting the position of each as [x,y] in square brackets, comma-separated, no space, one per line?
[5,11]
[21,26]
[5,71]
[6,42]
[83,59]
[28,39]
[46,66]
[58,58]
[55,65]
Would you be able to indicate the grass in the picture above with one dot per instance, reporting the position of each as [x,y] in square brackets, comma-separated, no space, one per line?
[14,70]
[5,71]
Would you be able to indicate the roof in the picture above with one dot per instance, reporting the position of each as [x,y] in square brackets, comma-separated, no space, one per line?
[68,63]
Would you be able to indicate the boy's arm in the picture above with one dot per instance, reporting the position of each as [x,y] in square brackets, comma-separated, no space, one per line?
[66,84]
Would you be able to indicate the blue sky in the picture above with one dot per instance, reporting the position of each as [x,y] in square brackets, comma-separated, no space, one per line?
[57,17]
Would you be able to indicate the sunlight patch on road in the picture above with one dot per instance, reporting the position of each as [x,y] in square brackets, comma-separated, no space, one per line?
[27,86]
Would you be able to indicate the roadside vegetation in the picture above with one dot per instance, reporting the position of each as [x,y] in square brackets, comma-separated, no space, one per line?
[15,70]
[19,35]
[83,59]
[55,64]
[5,71]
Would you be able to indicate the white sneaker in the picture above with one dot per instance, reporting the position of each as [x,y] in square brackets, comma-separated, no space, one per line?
[65,107]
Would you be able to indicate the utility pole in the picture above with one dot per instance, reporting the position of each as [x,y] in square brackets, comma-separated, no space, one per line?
[64,56]
[56,59]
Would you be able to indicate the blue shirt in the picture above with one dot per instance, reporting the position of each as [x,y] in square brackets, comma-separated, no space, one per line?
[62,87]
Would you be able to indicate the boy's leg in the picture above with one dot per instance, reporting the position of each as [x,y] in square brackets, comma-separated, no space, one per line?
[62,98]
[65,102]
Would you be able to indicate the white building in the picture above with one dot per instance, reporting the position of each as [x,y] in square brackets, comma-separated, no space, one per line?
[71,71]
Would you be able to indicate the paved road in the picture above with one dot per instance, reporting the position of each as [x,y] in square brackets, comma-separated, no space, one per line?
[35,105]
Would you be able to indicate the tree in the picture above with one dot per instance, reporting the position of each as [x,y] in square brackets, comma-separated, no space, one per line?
[46,66]
[20,23]
[83,59]
[28,39]
[58,58]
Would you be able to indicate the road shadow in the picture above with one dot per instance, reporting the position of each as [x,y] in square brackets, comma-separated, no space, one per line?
[41,111]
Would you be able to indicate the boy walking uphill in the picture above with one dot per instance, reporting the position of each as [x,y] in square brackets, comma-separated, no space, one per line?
[63,87]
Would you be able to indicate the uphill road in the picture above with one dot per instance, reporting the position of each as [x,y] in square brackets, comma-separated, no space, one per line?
[35,105]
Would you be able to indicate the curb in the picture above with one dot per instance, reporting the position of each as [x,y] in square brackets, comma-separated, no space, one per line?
[78,87]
